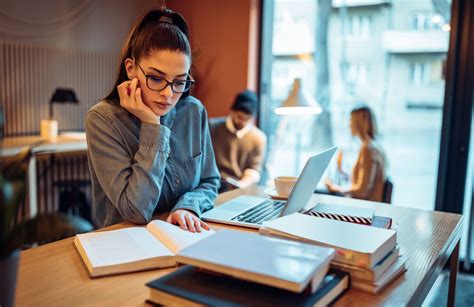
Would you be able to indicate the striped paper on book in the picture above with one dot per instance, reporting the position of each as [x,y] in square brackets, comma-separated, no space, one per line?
[343,213]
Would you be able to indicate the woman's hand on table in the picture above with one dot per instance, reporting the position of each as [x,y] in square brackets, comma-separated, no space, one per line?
[187,220]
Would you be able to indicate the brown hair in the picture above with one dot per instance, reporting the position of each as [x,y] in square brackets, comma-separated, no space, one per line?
[364,123]
[160,29]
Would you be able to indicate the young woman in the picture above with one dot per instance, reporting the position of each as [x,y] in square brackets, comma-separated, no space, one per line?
[368,174]
[149,146]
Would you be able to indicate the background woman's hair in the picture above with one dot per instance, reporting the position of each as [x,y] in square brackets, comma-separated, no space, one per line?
[160,29]
[364,122]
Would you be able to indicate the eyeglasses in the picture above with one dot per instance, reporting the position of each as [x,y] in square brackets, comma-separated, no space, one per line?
[156,83]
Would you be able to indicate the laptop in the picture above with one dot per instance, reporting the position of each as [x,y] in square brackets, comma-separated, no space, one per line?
[251,211]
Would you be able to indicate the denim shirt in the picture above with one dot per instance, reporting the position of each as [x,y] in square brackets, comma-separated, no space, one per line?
[139,169]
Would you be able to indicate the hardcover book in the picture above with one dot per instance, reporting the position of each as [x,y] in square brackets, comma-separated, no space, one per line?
[286,264]
[356,245]
[188,286]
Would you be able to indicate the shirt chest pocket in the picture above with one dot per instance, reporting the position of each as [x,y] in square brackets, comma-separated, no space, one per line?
[193,170]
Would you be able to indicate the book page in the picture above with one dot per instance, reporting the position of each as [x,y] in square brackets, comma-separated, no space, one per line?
[121,246]
[174,237]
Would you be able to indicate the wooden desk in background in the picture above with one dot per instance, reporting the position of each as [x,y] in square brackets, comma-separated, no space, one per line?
[67,142]
[53,274]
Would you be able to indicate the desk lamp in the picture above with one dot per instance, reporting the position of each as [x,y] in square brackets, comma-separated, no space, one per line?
[298,103]
[49,127]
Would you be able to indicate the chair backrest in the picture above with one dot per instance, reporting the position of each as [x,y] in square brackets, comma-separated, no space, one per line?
[387,191]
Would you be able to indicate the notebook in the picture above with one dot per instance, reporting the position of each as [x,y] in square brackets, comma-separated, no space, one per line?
[252,211]
[364,216]
[190,287]
[355,244]
[135,248]
[280,263]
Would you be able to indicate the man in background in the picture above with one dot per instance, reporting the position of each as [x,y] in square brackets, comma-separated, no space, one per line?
[239,146]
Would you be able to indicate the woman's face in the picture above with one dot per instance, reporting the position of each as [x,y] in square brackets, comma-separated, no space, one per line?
[169,65]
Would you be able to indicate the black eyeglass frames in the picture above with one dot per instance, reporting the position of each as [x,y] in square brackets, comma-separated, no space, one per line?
[156,83]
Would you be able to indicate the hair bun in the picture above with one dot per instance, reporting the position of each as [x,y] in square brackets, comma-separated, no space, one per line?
[166,19]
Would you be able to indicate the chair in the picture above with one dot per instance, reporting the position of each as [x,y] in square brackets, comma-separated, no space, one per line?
[72,198]
[387,191]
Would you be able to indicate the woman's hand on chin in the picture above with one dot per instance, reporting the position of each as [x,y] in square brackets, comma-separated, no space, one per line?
[130,95]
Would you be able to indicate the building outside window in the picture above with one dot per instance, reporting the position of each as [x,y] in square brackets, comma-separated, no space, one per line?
[423,21]
[401,81]
[359,27]
[419,73]
[357,73]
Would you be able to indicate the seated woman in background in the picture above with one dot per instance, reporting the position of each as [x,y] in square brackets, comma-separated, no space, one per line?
[149,145]
[368,174]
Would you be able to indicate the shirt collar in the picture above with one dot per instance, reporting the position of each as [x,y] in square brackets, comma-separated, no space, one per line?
[238,133]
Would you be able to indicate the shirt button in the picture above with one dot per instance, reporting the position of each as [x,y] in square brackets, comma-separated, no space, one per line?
[177,181]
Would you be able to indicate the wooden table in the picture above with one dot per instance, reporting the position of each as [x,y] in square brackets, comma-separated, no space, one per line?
[67,142]
[54,275]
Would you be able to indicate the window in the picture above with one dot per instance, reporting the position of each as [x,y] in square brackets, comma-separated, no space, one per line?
[366,73]
[423,21]
[419,74]
[359,27]
[357,73]
[426,73]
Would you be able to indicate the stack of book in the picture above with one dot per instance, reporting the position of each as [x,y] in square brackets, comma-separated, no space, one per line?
[369,254]
[241,268]
[223,267]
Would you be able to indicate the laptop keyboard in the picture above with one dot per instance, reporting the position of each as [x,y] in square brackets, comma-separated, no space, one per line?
[265,211]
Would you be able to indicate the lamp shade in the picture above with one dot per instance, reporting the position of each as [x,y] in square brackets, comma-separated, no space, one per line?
[298,102]
[61,95]
[64,95]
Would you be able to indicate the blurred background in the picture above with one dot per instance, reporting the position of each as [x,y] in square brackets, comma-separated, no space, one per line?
[405,59]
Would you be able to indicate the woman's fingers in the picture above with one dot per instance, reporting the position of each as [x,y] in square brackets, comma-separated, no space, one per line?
[204,225]
[138,99]
[181,220]
[130,94]
[189,222]
[133,89]
[197,223]
[127,100]
[122,90]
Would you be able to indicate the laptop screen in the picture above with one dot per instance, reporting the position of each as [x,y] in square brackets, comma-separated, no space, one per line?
[307,181]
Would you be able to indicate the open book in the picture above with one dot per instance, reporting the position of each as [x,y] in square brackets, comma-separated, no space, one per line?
[135,248]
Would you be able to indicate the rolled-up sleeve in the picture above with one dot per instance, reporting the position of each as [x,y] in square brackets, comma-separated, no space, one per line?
[132,184]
